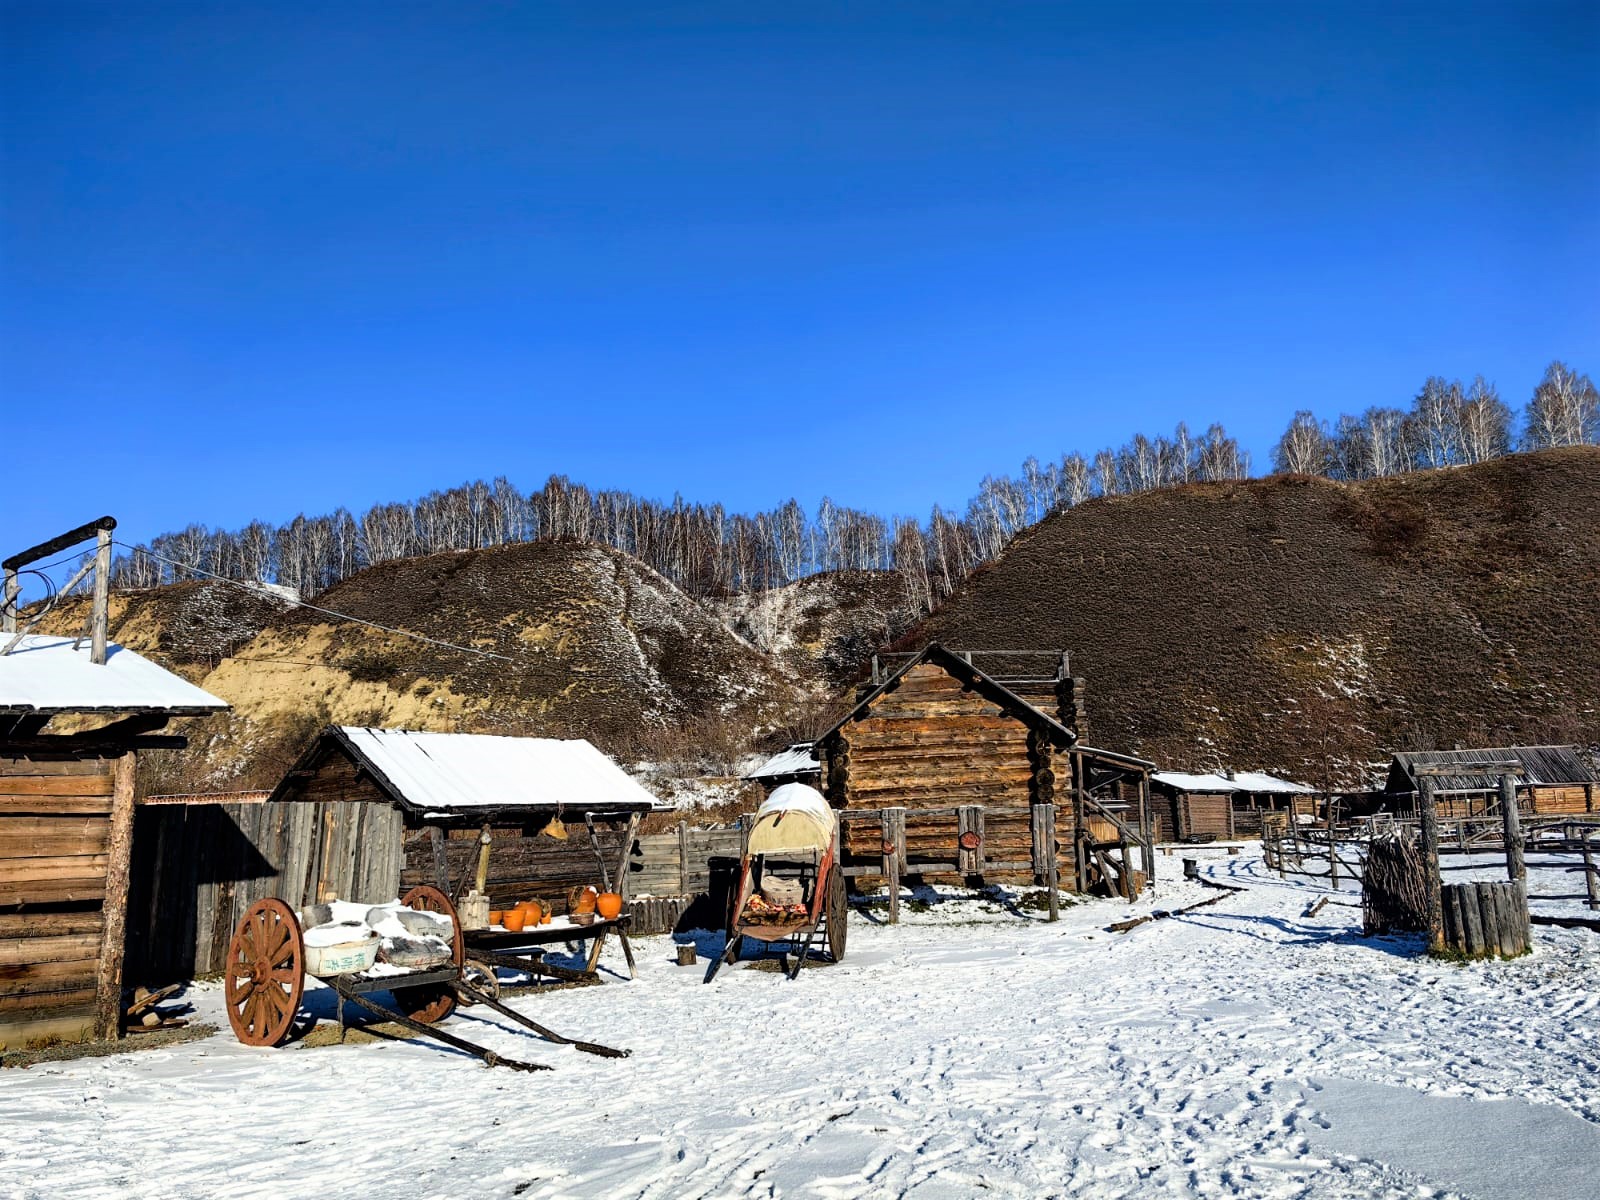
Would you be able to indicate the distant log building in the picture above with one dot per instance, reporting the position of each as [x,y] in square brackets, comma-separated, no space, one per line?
[970,757]
[1554,779]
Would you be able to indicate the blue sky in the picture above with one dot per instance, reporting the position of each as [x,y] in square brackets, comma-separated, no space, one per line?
[255,261]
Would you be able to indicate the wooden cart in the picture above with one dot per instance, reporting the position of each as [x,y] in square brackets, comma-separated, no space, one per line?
[524,951]
[807,856]
[266,975]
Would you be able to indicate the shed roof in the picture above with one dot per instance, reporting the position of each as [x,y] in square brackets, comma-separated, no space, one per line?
[1260,781]
[798,759]
[44,674]
[1540,765]
[475,772]
[1185,781]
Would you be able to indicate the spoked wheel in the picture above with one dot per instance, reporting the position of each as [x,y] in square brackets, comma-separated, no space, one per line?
[266,974]
[838,909]
[432,1002]
[481,977]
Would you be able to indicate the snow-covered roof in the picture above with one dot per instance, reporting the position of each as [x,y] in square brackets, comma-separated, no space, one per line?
[45,674]
[1185,782]
[1260,781]
[798,759]
[446,772]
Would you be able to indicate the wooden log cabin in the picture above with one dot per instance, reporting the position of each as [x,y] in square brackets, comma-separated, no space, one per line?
[67,826]
[968,760]
[1554,781]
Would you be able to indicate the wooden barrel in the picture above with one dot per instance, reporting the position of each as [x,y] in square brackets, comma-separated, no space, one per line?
[1485,920]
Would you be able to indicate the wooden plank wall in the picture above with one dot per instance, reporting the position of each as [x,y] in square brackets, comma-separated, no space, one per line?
[198,867]
[55,820]
[524,863]
[1204,813]
[932,744]
[658,864]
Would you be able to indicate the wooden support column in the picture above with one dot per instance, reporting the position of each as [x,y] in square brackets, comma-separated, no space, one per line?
[8,601]
[892,824]
[441,863]
[1044,855]
[114,909]
[1511,823]
[99,613]
[1429,819]
[683,858]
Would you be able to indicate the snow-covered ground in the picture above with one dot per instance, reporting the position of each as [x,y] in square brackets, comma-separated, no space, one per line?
[1241,1050]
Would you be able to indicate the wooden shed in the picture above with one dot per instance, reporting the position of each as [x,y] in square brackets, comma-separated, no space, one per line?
[66,825]
[968,764]
[1192,806]
[366,814]
[1554,780]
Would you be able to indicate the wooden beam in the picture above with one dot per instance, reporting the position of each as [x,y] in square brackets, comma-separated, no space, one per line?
[114,909]
[71,538]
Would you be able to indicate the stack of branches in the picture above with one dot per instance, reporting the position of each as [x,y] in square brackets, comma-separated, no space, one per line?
[1394,886]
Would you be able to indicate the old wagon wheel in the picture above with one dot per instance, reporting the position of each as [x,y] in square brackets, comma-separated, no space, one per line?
[432,1002]
[482,977]
[265,974]
[838,908]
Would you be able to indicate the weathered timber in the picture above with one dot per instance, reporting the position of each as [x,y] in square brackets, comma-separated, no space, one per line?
[119,857]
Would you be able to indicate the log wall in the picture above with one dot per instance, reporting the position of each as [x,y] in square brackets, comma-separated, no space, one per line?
[55,826]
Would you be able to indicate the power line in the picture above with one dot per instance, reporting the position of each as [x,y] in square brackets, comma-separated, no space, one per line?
[260,590]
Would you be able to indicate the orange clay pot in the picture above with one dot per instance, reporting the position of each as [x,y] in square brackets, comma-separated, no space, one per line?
[514,920]
[531,911]
[546,919]
[495,914]
[583,900]
[608,905]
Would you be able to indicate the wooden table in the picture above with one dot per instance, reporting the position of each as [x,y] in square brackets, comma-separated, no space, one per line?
[524,951]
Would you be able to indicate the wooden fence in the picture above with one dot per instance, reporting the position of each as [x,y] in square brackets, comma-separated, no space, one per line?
[679,863]
[198,867]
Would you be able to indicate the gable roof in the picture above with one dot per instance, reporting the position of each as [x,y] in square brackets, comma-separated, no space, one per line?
[990,689]
[1540,765]
[474,773]
[46,675]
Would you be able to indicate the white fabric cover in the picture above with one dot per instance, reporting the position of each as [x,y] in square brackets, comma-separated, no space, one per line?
[794,817]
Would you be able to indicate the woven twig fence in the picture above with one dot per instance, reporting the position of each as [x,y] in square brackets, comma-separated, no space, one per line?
[1394,886]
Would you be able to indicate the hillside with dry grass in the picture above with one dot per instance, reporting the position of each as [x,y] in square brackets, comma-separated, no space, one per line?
[571,641]
[1298,624]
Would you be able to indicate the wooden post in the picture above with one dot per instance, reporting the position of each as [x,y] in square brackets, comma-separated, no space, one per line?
[102,594]
[1147,844]
[8,602]
[746,822]
[1430,861]
[969,828]
[1511,823]
[441,862]
[1044,855]
[114,909]
[683,858]
[1591,885]
[892,828]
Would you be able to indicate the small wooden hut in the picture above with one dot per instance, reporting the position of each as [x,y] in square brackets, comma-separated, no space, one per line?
[1192,806]
[66,826]
[1554,780]
[968,763]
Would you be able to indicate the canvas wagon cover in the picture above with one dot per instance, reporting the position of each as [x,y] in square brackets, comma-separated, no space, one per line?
[794,817]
